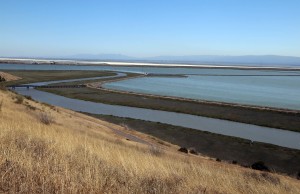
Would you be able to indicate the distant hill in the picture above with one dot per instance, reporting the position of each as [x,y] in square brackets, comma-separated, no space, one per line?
[247,59]
[199,59]
[253,60]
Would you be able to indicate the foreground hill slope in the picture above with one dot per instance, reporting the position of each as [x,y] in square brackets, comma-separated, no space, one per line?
[8,77]
[53,150]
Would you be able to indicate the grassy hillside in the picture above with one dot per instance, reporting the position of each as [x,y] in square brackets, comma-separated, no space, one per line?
[226,148]
[49,149]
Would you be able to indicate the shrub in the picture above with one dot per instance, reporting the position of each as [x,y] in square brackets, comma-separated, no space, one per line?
[2,79]
[260,166]
[19,99]
[154,150]
[1,104]
[264,176]
[218,159]
[270,178]
[298,175]
[154,184]
[46,118]
[30,107]
[49,105]
[183,149]
[2,87]
[193,151]
[28,97]
[234,162]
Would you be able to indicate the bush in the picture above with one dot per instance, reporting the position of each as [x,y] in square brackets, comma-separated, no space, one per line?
[2,79]
[1,104]
[28,97]
[49,105]
[2,87]
[154,150]
[264,176]
[19,99]
[30,107]
[193,151]
[46,118]
[260,166]
[184,150]
[218,159]
[298,175]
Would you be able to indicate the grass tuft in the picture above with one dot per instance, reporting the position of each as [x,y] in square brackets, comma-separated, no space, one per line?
[46,118]
[19,99]
[156,151]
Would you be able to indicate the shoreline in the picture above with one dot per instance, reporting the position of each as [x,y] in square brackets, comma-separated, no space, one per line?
[261,116]
[225,148]
[140,64]
[100,86]
[68,130]
[280,119]
[284,119]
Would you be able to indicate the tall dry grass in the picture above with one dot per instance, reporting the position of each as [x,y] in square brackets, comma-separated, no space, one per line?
[79,154]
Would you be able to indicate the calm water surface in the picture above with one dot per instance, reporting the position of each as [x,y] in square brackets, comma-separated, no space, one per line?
[158,70]
[271,91]
[272,88]
[252,132]
[197,84]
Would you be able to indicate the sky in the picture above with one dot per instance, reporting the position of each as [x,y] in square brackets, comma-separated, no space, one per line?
[145,28]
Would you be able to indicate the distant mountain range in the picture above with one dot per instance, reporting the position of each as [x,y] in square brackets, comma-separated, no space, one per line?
[198,59]
[253,60]
[101,57]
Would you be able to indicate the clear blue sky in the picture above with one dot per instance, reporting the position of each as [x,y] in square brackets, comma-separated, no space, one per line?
[149,27]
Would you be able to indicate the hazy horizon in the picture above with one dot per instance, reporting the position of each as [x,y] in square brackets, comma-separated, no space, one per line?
[193,59]
[137,57]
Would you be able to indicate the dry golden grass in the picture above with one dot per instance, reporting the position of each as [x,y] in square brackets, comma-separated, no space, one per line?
[79,154]
[8,77]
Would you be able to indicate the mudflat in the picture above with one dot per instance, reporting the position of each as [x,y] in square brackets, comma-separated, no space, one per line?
[275,118]
[224,148]
[288,120]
